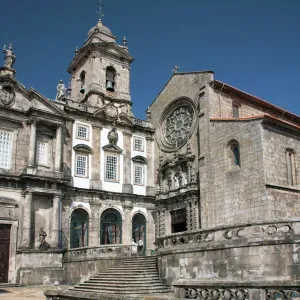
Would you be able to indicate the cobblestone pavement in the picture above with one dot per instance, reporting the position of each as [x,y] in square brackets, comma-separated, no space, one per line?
[23,293]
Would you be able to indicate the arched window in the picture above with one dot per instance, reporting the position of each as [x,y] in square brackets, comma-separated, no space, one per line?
[290,164]
[82,82]
[111,227]
[79,228]
[139,232]
[110,79]
[234,154]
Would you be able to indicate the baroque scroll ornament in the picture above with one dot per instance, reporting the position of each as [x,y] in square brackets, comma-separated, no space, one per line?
[178,125]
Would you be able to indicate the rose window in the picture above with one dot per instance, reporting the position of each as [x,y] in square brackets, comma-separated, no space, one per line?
[178,125]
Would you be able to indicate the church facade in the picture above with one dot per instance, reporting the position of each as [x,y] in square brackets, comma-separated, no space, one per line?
[209,183]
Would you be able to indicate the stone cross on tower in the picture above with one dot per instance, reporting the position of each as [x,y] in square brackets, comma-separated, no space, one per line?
[176,68]
[100,10]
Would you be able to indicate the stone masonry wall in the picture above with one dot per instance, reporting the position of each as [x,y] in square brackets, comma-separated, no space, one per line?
[271,262]
[180,85]
[221,106]
[238,192]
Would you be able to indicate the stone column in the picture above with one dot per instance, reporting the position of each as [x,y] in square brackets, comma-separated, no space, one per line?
[188,215]
[195,205]
[162,225]
[58,150]
[32,144]
[27,220]
[96,144]
[157,221]
[127,184]
[55,221]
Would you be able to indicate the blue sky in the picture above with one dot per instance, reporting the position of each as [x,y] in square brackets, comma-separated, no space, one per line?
[253,45]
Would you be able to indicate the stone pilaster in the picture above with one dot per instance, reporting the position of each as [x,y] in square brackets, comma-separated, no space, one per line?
[96,144]
[58,149]
[32,144]
[150,167]
[26,236]
[127,184]
[55,221]
[127,224]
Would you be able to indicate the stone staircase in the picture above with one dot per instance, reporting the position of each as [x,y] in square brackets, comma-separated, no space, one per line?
[134,276]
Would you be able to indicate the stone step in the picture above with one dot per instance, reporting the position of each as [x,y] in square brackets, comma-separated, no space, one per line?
[127,280]
[122,291]
[134,263]
[127,277]
[133,276]
[122,285]
[141,268]
[126,272]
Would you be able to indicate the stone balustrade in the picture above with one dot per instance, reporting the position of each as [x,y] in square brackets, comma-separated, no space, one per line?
[92,253]
[201,290]
[258,232]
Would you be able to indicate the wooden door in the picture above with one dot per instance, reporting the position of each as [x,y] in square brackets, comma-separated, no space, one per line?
[4,252]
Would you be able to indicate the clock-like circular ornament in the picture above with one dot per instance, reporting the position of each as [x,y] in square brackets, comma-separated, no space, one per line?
[111,111]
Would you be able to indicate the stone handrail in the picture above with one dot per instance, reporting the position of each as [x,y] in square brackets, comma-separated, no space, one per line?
[200,290]
[90,253]
[254,232]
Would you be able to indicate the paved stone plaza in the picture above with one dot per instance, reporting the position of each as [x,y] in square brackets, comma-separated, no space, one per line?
[22,293]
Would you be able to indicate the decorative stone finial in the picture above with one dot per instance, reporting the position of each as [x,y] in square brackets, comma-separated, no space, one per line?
[148,112]
[176,69]
[76,51]
[69,90]
[124,41]
[61,91]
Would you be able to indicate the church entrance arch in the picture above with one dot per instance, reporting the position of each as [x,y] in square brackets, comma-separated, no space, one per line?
[139,232]
[111,227]
[4,252]
[79,228]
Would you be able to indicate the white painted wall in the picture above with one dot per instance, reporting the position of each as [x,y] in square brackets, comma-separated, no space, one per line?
[81,182]
[139,189]
[109,185]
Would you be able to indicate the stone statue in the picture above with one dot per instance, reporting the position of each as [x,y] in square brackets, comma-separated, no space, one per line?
[181,177]
[176,181]
[42,239]
[61,91]
[9,57]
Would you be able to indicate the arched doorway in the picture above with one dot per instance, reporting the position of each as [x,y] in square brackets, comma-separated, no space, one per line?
[111,227]
[79,228]
[139,232]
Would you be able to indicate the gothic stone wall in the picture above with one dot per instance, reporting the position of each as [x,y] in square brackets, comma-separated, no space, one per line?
[180,85]
[238,191]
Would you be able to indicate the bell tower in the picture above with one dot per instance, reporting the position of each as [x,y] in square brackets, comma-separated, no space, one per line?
[100,70]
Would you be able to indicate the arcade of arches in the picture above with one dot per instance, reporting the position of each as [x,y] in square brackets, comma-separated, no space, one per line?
[110,229]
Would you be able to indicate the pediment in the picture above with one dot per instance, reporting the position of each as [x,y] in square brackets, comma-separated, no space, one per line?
[40,103]
[112,148]
[83,148]
[14,95]
[140,159]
